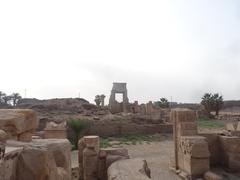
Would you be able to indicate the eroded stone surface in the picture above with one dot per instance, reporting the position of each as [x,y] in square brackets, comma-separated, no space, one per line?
[130,169]
[56,131]
[18,123]
[43,159]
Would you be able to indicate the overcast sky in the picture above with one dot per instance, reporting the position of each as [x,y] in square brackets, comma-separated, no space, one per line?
[161,48]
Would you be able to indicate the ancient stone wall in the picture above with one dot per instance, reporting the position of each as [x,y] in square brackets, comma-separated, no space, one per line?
[191,150]
[93,161]
[118,129]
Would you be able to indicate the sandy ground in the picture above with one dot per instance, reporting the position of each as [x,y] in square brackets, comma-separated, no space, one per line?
[157,155]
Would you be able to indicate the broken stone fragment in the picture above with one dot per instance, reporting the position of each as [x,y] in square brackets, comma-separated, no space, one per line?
[130,169]
[19,124]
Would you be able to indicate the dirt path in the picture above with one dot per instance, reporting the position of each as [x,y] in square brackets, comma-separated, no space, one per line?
[157,155]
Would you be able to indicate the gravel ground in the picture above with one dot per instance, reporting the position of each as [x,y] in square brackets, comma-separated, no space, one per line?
[157,155]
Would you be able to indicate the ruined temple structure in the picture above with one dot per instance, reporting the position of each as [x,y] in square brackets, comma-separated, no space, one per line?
[204,155]
[114,106]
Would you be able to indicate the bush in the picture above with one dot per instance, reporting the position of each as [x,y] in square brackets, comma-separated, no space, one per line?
[77,125]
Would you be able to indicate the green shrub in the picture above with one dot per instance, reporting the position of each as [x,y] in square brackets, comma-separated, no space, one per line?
[77,125]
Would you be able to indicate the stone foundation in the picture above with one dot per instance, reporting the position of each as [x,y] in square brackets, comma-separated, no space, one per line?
[94,162]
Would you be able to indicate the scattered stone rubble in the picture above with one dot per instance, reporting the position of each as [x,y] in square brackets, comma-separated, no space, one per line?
[27,159]
[108,163]
[196,154]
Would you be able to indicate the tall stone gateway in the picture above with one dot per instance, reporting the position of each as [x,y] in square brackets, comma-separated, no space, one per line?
[114,106]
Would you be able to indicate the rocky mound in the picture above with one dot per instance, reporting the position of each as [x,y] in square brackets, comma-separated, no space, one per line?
[67,104]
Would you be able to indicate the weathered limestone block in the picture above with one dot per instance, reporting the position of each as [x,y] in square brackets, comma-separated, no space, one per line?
[62,174]
[81,147]
[231,152]
[188,128]
[61,151]
[3,138]
[114,154]
[102,167]
[8,165]
[130,169]
[107,156]
[55,131]
[36,163]
[195,155]
[92,141]
[90,163]
[214,147]
[18,123]
[44,159]
[82,144]
[183,124]
[230,127]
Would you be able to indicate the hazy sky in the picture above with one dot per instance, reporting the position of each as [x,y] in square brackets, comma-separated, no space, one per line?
[162,48]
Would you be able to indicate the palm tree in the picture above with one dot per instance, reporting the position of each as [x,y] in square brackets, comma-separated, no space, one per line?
[2,94]
[16,97]
[97,100]
[6,99]
[212,102]
[218,103]
[163,103]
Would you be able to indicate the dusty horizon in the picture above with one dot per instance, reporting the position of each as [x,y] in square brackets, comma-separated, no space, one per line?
[57,49]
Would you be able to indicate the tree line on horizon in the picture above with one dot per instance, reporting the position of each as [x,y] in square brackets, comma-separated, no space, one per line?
[11,99]
[210,102]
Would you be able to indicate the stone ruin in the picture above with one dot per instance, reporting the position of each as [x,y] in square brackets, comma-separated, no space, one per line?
[232,129]
[196,154]
[97,163]
[24,158]
[114,106]
[138,111]
[50,159]
[55,131]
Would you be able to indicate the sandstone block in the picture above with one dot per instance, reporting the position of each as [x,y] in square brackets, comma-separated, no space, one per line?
[231,152]
[130,169]
[8,165]
[36,163]
[230,127]
[90,163]
[41,158]
[55,131]
[16,122]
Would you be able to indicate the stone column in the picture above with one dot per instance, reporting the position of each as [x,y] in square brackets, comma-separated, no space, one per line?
[90,163]
[3,138]
[183,125]
[86,141]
